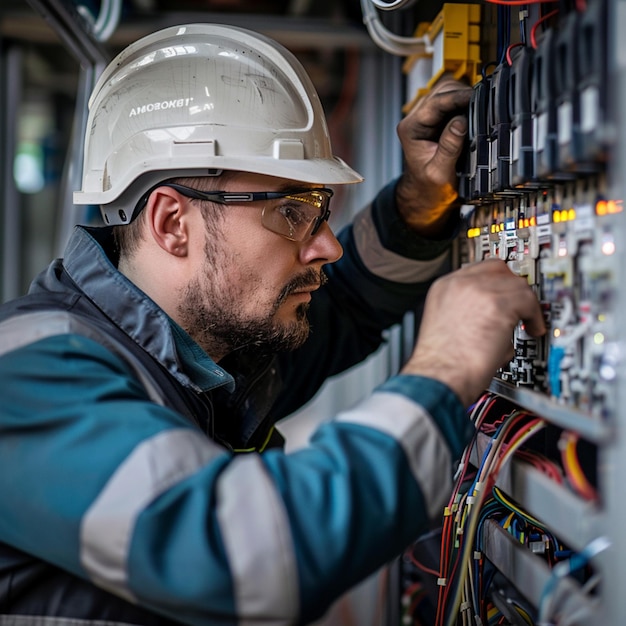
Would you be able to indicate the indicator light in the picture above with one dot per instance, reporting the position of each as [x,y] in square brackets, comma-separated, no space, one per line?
[608,247]
[614,206]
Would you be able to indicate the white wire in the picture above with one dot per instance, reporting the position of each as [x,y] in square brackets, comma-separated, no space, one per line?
[103,15]
[388,41]
[108,19]
[392,6]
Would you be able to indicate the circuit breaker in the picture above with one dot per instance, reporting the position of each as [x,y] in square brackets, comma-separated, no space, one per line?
[533,532]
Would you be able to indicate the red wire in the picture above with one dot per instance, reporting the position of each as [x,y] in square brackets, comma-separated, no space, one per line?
[533,30]
[509,60]
[548,467]
[420,565]
[451,578]
[517,436]
[490,400]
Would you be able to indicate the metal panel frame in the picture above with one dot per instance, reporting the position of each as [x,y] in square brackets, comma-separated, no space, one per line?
[10,90]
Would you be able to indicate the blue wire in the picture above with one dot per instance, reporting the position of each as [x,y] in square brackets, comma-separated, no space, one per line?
[522,26]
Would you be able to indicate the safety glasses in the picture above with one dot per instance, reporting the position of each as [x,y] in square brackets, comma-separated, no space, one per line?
[296,214]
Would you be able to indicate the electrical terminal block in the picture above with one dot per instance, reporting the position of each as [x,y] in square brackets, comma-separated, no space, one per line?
[455,38]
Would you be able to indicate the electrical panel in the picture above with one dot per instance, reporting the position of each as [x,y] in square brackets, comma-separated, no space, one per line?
[533,532]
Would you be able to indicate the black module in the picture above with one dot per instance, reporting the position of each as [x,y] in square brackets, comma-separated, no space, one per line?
[499,129]
[520,103]
[478,140]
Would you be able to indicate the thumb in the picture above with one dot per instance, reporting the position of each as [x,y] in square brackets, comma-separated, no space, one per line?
[451,142]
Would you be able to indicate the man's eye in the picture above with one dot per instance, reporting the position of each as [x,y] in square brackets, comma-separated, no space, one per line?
[293,214]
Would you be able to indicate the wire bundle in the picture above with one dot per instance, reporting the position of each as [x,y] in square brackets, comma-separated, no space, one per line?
[465,510]
[463,577]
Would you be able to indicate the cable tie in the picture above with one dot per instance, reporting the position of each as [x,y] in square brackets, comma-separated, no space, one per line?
[465,606]
[470,500]
[442,582]
[478,487]
[477,555]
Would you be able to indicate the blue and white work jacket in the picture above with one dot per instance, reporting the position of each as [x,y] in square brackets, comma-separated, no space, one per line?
[122,496]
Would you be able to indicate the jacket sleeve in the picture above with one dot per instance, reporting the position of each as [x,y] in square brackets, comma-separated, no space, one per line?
[118,490]
[385,271]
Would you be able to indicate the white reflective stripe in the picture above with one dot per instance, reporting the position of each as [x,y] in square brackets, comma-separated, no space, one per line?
[417,433]
[256,533]
[21,330]
[152,468]
[24,329]
[45,620]
[387,264]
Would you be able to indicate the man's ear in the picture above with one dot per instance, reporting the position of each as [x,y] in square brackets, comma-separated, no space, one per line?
[168,220]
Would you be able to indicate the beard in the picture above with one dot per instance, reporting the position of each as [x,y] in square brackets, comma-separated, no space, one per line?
[214,319]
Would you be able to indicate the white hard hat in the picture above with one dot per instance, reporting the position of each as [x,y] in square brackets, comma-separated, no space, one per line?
[196,99]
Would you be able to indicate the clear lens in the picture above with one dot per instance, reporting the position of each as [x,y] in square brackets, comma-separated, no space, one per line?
[296,216]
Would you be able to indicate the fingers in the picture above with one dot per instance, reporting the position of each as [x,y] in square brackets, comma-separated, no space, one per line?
[433,136]
[431,113]
[532,317]
[515,295]
[451,143]
[468,324]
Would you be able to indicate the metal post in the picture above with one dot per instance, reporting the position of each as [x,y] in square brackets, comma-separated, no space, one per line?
[10,90]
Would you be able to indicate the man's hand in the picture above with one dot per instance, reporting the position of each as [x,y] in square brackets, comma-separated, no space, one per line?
[468,323]
[432,137]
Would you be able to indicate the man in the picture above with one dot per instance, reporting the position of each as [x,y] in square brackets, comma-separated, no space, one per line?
[162,345]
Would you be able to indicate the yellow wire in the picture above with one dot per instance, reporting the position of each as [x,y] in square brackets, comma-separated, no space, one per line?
[575,471]
[508,521]
[524,614]
[473,523]
[516,509]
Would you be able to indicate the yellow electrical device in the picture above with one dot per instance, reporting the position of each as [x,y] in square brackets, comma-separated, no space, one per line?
[454,50]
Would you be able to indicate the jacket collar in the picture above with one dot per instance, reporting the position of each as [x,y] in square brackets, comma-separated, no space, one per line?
[90,261]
